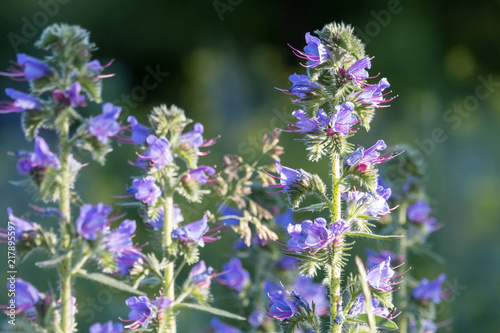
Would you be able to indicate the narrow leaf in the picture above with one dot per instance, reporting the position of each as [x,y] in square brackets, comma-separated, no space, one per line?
[380,322]
[311,208]
[370,319]
[373,236]
[209,309]
[104,279]
[51,262]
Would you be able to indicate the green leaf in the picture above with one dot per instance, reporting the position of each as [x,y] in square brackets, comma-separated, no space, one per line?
[373,236]
[209,309]
[31,121]
[380,322]
[51,262]
[104,279]
[311,208]
[92,87]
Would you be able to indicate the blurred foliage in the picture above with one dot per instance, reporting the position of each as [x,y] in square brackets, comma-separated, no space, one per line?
[223,72]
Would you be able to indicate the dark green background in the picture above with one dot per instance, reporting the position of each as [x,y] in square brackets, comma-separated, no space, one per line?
[223,72]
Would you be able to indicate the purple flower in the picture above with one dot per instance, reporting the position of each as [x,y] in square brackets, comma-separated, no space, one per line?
[314,52]
[301,86]
[362,159]
[22,102]
[96,68]
[108,327]
[157,223]
[343,119]
[26,297]
[92,220]
[221,327]
[142,310]
[357,71]
[234,275]
[71,97]
[313,292]
[287,177]
[256,318]
[358,307]
[429,290]
[158,152]
[373,95]
[200,275]
[369,204]
[127,259]
[281,307]
[120,239]
[287,263]
[378,277]
[28,67]
[21,226]
[374,258]
[200,175]
[285,219]
[105,125]
[194,233]
[419,212]
[139,131]
[309,234]
[40,159]
[193,138]
[145,190]
[229,211]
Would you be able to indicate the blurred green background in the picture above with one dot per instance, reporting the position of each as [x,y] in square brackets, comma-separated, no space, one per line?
[224,59]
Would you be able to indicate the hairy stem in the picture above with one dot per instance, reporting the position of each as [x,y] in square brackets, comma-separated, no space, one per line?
[335,271]
[168,324]
[402,252]
[64,268]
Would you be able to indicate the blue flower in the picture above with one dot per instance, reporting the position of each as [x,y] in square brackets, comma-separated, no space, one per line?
[363,159]
[22,102]
[309,235]
[92,220]
[285,219]
[281,307]
[200,175]
[374,258]
[22,227]
[373,95]
[358,307]
[200,275]
[226,210]
[139,131]
[193,138]
[194,233]
[419,212]
[287,177]
[127,259]
[429,290]
[378,277]
[287,263]
[158,152]
[108,327]
[314,52]
[313,292]
[369,204]
[40,159]
[221,327]
[343,119]
[357,71]
[142,310]
[301,87]
[105,125]
[157,223]
[120,239]
[234,275]
[145,190]
[28,67]
[71,97]
[26,297]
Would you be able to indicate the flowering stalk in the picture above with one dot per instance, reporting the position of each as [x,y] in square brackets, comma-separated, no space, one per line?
[402,252]
[168,323]
[336,270]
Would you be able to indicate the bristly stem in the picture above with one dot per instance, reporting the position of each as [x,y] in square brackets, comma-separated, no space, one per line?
[335,271]
[168,324]
[402,252]
[64,268]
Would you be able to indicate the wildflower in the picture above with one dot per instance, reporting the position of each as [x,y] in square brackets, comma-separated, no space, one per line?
[199,175]
[314,52]
[373,95]
[287,263]
[158,152]
[309,125]
[22,102]
[200,275]
[139,131]
[234,275]
[374,258]
[96,68]
[108,327]
[40,159]
[285,219]
[288,177]
[142,310]
[362,159]
[92,220]
[358,307]
[429,290]
[378,277]
[313,292]
[28,67]
[221,327]
[26,297]
[343,119]
[301,86]
[105,125]
[369,204]
[194,233]
[158,221]
[193,138]
[309,234]
[120,239]
[127,259]
[419,212]
[145,190]
[357,71]
[71,97]
[22,227]
[281,307]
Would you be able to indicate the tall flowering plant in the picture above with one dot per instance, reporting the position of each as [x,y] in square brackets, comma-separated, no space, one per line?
[335,99]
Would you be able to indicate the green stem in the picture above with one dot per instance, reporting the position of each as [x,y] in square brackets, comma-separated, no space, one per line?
[335,271]
[167,323]
[67,320]
[402,251]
